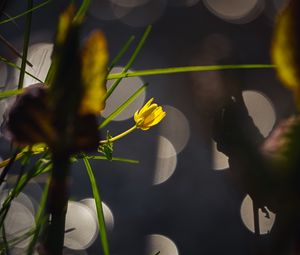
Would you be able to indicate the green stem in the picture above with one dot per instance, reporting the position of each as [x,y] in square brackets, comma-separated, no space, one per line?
[24,13]
[13,65]
[185,69]
[98,202]
[26,44]
[119,136]
[130,62]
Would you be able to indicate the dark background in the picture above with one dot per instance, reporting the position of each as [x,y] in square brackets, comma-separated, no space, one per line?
[197,208]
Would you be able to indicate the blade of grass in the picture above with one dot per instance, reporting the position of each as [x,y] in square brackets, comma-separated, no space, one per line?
[13,49]
[101,221]
[123,160]
[130,62]
[82,11]
[39,167]
[8,166]
[9,93]
[9,17]
[39,219]
[5,242]
[184,69]
[122,106]
[121,52]
[24,13]
[25,44]
[7,62]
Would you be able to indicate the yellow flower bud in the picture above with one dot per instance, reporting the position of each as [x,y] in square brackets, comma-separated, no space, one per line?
[149,115]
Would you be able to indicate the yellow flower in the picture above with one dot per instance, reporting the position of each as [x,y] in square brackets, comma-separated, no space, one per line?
[149,115]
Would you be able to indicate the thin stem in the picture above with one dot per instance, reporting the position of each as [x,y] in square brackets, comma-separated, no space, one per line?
[24,13]
[13,49]
[7,62]
[119,136]
[130,62]
[121,53]
[99,208]
[25,45]
[184,69]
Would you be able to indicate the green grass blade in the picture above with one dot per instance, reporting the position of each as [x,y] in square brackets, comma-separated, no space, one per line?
[123,160]
[101,221]
[39,219]
[8,166]
[185,69]
[138,48]
[13,49]
[41,166]
[50,75]
[25,44]
[5,242]
[82,11]
[121,53]
[130,62]
[11,64]
[122,106]
[24,13]
[9,93]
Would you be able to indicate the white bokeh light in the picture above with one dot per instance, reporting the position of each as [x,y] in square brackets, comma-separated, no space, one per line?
[166,161]
[3,75]
[81,226]
[108,216]
[219,159]
[124,90]
[158,243]
[235,11]
[266,219]
[175,127]
[39,56]
[261,110]
[19,221]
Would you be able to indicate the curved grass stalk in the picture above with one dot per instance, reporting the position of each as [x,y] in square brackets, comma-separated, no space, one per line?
[24,13]
[185,69]
[98,201]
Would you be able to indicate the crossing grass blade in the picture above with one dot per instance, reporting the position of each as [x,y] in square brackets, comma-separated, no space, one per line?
[122,106]
[98,201]
[39,219]
[30,10]
[130,62]
[82,11]
[124,48]
[13,65]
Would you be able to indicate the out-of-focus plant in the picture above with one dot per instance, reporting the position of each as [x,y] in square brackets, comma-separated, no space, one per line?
[57,119]
[268,169]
